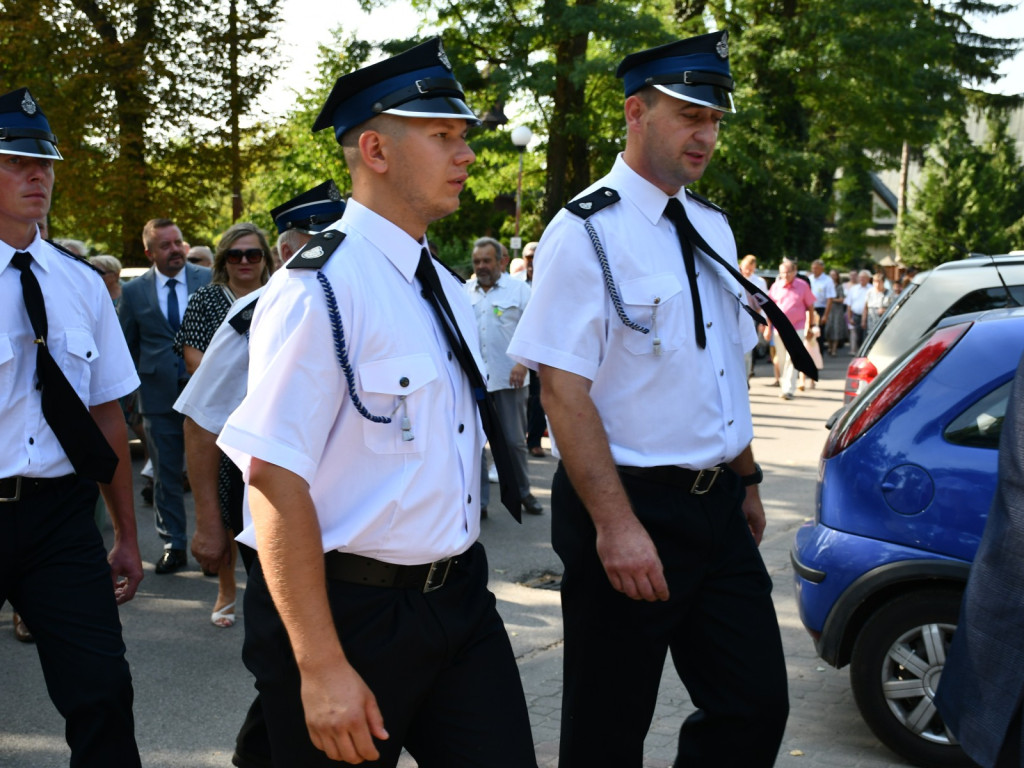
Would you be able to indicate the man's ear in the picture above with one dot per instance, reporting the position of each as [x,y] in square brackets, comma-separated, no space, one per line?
[373,150]
[635,109]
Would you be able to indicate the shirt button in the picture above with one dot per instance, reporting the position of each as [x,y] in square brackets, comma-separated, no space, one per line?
[449,354]
[404,381]
[89,353]
[709,324]
[469,499]
[462,428]
[721,372]
[31,441]
[730,422]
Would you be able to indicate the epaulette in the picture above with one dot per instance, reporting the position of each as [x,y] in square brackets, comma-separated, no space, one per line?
[584,207]
[242,320]
[75,256]
[317,251]
[707,203]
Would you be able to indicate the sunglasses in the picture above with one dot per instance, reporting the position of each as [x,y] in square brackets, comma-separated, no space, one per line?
[251,255]
[196,260]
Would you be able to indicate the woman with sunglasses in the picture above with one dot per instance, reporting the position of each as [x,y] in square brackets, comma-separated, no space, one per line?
[241,264]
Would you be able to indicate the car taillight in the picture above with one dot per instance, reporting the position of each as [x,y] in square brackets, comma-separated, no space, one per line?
[898,380]
[860,373]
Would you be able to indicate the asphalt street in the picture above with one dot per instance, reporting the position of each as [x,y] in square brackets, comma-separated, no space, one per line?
[192,691]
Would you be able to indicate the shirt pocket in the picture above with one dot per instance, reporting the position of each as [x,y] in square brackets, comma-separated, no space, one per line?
[7,363]
[397,388]
[81,353]
[507,313]
[654,302]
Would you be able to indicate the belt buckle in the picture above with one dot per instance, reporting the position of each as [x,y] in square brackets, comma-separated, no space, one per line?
[700,485]
[437,575]
[17,489]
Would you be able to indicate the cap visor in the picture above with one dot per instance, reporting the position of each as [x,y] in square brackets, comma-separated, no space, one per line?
[30,148]
[438,106]
[704,95]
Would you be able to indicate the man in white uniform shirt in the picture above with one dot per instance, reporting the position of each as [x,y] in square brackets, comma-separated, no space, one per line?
[369,626]
[655,507]
[498,301]
[64,364]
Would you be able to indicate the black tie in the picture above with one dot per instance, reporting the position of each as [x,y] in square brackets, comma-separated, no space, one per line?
[434,294]
[674,211]
[83,442]
[174,318]
[687,233]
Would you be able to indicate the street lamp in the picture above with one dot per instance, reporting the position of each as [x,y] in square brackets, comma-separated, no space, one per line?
[520,137]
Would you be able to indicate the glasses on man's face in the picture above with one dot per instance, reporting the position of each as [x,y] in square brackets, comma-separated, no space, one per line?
[251,255]
[195,260]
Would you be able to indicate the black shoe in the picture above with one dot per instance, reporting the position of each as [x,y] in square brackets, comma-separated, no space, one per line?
[531,505]
[483,513]
[172,560]
[147,492]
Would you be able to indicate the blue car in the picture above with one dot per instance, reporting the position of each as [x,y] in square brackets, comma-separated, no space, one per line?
[904,486]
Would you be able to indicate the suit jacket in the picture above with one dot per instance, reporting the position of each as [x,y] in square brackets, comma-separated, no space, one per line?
[150,338]
[983,678]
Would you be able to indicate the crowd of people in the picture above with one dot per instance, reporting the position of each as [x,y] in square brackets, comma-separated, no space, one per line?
[332,395]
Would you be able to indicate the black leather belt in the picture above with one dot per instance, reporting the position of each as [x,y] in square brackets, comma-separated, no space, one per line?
[695,481]
[356,569]
[18,487]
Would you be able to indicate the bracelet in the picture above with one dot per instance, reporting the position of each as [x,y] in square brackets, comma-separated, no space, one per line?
[755,478]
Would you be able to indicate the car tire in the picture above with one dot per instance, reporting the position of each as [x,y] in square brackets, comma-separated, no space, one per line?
[894,672]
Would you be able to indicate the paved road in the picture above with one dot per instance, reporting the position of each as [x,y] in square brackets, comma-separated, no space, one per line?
[192,690]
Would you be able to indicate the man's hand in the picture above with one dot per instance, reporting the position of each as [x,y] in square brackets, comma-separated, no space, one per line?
[342,714]
[211,546]
[631,560]
[125,570]
[518,375]
[753,510]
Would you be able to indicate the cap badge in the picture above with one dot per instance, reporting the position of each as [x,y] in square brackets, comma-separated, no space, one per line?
[443,56]
[313,253]
[27,105]
[333,194]
[247,314]
[722,48]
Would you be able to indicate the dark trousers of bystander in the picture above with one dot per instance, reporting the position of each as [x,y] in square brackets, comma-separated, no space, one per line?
[54,571]
[535,421]
[439,664]
[719,625]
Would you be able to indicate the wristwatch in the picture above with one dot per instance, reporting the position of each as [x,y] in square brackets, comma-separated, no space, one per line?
[755,477]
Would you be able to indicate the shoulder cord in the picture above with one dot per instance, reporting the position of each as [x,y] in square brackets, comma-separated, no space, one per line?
[609,281]
[339,346]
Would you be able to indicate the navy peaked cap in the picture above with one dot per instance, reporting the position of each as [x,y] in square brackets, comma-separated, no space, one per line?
[312,211]
[416,83]
[23,127]
[694,70]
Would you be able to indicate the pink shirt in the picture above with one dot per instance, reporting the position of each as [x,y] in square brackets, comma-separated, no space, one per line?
[793,299]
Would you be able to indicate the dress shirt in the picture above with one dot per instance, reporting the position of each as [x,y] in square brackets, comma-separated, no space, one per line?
[687,406]
[180,289]
[856,297]
[794,299]
[497,314]
[375,494]
[823,288]
[218,385]
[84,339]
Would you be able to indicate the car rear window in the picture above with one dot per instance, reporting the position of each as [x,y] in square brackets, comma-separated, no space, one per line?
[981,424]
[985,299]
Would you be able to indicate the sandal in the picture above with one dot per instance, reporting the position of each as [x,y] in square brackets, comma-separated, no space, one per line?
[225,617]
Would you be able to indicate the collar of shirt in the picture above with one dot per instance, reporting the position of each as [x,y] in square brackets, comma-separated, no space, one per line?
[40,254]
[648,199]
[161,278]
[474,285]
[395,243]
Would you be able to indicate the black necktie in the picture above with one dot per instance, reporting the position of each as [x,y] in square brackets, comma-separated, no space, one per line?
[174,318]
[674,210]
[83,442]
[434,294]
[676,213]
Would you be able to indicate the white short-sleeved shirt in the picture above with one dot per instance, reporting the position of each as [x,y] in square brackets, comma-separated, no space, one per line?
[376,494]
[497,314]
[84,339]
[823,288]
[218,385]
[856,298]
[687,406]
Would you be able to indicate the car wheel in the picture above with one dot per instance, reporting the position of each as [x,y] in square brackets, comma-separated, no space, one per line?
[894,671]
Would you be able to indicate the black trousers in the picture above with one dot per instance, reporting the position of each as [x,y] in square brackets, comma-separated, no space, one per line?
[535,421]
[719,626]
[54,571]
[439,664]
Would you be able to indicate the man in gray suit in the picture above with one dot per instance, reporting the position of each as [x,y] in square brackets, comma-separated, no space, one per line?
[150,311]
[982,684]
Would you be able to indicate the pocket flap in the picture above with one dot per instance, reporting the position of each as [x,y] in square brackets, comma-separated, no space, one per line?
[81,345]
[644,291]
[397,375]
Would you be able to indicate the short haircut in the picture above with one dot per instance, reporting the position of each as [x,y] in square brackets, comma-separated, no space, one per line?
[481,242]
[151,227]
[749,258]
[106,263]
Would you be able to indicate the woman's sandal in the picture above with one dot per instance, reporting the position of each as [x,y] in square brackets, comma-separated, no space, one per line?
[225,617]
